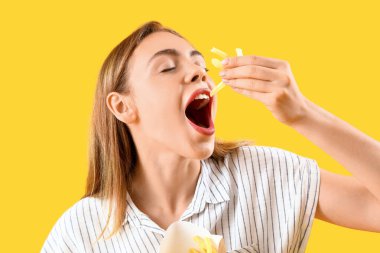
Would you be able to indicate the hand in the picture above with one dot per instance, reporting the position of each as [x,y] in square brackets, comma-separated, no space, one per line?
[269,81]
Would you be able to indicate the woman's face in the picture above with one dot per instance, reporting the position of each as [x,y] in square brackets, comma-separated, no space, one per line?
[162,85]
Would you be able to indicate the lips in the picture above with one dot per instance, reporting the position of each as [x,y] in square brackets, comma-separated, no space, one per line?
[199,116]
[196,93]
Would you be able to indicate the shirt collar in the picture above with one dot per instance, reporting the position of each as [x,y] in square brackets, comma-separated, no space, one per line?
[216,181]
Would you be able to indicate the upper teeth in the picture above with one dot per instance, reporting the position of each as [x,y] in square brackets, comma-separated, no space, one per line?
[202,96]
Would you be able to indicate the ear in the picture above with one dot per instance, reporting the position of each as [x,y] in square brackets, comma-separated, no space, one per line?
[122,106]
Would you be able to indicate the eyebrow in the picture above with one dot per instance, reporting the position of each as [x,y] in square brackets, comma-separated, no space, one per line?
[173,52]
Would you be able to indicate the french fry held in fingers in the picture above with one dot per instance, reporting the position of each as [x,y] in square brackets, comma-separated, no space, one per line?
[218,64]
[185,237]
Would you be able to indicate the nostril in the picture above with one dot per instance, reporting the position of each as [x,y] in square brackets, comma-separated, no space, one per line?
[195,78]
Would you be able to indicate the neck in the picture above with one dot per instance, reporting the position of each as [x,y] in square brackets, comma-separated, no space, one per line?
[164,183]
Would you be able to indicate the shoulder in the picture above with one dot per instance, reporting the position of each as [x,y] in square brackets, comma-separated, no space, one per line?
[67,232]
[258,163]
[88,207]
[251,156]
[265,153]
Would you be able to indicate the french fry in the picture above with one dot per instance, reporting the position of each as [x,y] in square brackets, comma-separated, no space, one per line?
[218,52]
[217,89]
[194,251]
[205,245]
[209,245]
[218,64]
[239,52]
[185,237]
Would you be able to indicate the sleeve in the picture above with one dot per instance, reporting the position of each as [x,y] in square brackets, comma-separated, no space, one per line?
[293,190]
[59,240]
[285,190]
[307,184]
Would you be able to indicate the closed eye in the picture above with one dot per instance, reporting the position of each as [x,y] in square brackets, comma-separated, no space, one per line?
[167,70]
[170,69]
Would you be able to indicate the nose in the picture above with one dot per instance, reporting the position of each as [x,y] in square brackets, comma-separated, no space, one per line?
[196,74]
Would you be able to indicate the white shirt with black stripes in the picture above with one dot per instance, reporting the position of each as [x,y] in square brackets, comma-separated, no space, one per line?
[259,198]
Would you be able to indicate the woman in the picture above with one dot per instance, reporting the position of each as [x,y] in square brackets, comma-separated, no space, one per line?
[154,158]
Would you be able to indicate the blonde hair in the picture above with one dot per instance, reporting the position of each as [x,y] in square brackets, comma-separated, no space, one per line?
[112,152]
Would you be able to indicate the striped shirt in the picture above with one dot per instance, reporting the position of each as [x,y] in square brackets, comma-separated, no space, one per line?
[259,198]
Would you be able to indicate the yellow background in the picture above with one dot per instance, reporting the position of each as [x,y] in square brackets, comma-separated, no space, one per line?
[51,54]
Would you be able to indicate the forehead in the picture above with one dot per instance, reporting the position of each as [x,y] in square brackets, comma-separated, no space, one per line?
[158,41]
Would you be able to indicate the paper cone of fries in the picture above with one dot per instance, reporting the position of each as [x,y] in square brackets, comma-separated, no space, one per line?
[185,237]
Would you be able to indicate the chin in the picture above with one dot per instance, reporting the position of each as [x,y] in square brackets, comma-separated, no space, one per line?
[203,151]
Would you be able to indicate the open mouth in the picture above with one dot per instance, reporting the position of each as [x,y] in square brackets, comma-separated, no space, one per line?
[199,111]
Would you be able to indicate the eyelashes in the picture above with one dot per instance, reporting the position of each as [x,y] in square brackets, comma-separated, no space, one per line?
[167,70]
[170,69]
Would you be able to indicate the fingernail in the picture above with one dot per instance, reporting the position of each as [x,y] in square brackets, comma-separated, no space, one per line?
[222,73]
[225,81]
[225,61]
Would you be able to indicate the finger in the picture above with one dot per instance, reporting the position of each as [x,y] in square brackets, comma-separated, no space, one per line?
[260,96]
[251,71]
[250,84]
[232,62]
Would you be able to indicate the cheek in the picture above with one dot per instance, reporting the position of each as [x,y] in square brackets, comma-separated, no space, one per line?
[160,111]
[159,105]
